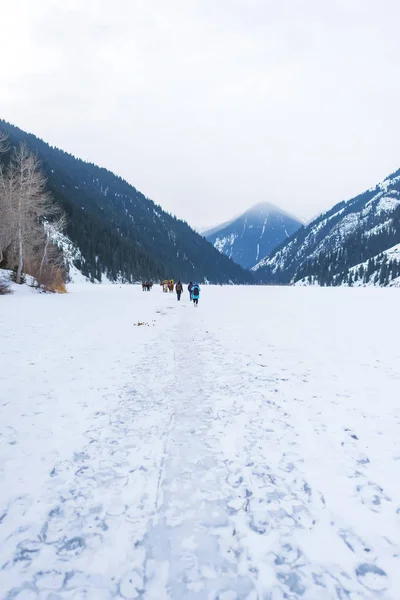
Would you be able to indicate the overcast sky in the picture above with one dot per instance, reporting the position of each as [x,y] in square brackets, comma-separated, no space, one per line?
[211,106]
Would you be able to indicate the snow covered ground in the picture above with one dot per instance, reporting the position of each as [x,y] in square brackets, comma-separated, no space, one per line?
[246,449]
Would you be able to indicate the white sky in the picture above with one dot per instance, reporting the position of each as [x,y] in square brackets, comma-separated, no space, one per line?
[211,106]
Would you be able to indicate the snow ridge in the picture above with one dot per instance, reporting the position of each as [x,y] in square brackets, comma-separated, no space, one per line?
[253,234]
[371,216]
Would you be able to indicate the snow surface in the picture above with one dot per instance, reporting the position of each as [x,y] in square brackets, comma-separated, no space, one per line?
[245,449]
[387,204]
[14,288]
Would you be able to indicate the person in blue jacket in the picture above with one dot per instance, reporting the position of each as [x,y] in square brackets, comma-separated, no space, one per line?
[195,293]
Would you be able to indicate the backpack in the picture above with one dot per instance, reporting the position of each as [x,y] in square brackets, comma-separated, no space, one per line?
[178,287]
[195,291]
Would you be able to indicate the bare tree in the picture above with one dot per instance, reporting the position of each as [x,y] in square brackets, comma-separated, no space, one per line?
[29,221]
[5,237]
[29,201]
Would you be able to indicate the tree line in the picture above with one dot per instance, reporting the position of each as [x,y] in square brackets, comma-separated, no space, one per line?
[29,219]
[328,270]
[358,257]
[120,233]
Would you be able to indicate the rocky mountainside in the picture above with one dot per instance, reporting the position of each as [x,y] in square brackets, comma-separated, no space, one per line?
[356,242]
[119,233]
[254,234]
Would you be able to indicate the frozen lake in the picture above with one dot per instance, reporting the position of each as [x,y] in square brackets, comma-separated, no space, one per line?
[245,449]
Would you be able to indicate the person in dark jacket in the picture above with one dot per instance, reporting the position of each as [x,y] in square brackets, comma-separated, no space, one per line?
[190,287]
[178,289]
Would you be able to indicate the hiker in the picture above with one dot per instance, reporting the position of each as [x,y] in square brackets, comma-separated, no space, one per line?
[190,287]
[196,293]
[179,289]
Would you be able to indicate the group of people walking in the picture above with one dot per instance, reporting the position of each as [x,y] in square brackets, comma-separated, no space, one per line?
[193,289]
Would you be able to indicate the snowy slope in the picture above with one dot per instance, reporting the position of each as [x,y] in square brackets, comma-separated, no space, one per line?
[211,230]
[377,271]
[153,450]
[72,255]
[253,234]
[13,288]
[361,275]
[349,234]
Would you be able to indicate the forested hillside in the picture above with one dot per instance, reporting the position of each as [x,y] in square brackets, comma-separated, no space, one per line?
[356,241]
[120,232]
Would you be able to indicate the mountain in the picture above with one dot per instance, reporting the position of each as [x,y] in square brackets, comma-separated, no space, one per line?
[211,230]
[253,234]
[117,231]
[356,242]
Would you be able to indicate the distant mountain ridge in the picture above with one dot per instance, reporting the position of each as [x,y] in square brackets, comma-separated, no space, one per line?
[254,234]
[119,233]
[211,230]
[354,243]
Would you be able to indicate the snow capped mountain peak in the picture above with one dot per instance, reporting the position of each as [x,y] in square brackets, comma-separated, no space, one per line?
[253,234]
[352,242]
[263,208]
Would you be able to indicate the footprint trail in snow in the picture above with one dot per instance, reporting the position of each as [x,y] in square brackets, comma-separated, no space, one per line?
[226,457]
